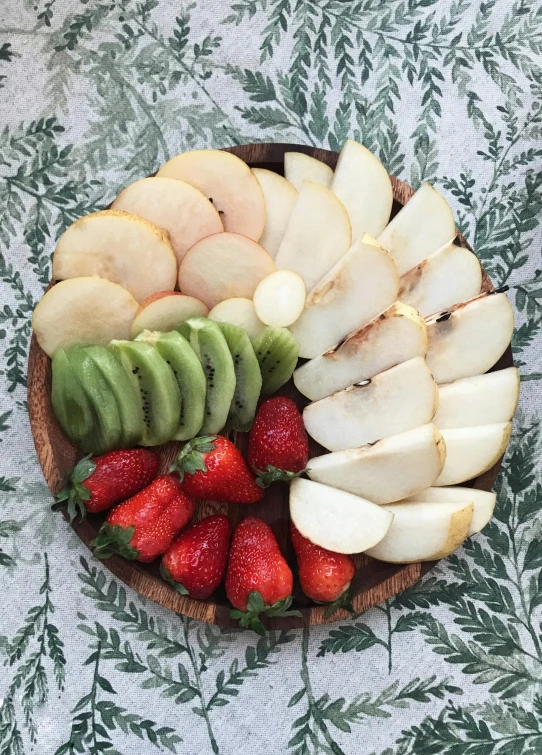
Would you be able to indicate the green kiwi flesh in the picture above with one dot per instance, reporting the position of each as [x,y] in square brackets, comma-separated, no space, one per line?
[248,378]
[277,352]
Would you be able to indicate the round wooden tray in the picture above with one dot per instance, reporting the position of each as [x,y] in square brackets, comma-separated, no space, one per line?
[374,581]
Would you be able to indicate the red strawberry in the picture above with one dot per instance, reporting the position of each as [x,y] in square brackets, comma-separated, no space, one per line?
[196,561]
[278,445]
[145,525]
[325,576]
[259,581]
[212,467]
[95,484]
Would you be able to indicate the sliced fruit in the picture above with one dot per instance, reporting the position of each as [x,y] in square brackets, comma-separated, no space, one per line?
[120,247]
[392,402]
[362,284]
[421,227]
[471,451]
[450,275]
[240,312]
[223,266]
[395,336]
[279,299]
[277,351]
[478,400]
[70,402]
[229,184]
[317,235]
[423,532]
[363,185]
[165,312]
[299,167]
[248,379]
[482,501]
[280,198]
[333,519]
[83,310]
[384,471]
[469,340]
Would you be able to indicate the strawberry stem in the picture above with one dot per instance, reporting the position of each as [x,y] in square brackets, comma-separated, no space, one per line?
[73,495]
[273,474]
[256,607]
[343,602]
[114,540]
[190,460]
[177,586]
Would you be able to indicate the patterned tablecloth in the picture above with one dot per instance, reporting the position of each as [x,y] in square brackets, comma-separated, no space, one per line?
[95,93]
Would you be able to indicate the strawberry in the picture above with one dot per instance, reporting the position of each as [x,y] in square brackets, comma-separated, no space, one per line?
[278,444]
[325,576]
[98,483]
[196,561]
[212,467]
[258,581]
[145,525]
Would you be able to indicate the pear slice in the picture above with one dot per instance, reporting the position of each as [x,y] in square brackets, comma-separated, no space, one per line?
[421,227]
[423,532]
[450,275]
[280,198]
[471,339]
[121,247]
[279,299]
[238,311]
[471,451]
[299,167]
[227,182]
[479,400]
[392,402]
[362,284]
[333,519]
[383,472]
[363,185]
[165,312]
[395,336]
[482,500]
[317,235]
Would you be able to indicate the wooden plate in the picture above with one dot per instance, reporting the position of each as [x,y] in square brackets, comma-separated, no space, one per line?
[374,581]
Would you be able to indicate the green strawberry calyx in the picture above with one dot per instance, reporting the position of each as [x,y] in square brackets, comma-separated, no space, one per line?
[343,602]
[177,586]
[73,495]
[190,460]
[256,607]
[273,474]
[114,540]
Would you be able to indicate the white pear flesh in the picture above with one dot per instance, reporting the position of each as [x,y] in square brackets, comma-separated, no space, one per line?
[471,340]
[394,401]
[279,299]
[395,336]
[423,532]
[280,198]
[238,311]
[83,311]
[479,400]
[450,275]
[121,247]
[224,266]
[335,520]
[299,167]
[471,451]
[165,311]
[317,235]
[388,470]
[362,284]
[363,185]
[482,500]
[227,182]
[421,227]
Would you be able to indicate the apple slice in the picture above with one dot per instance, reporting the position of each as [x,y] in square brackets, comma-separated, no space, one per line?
[166,311]
[299,167]
[317,235]
[450,275]
[333,519]
[229,184]
[363,185]
[280,198]
[421,227]
[482,500]
[123,248]
[423,532]
[479,400]
[392,402]
[395,336]
[83,311]
[471,339]
[383,472]
[223,266]
[362,284]
[175,206]
[240,312]
[471,451]
[279,299]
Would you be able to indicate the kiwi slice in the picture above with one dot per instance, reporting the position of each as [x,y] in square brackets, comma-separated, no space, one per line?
[158,390]
[70,402]
[175,349]
[277,352]
[248,378]
[209,343]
